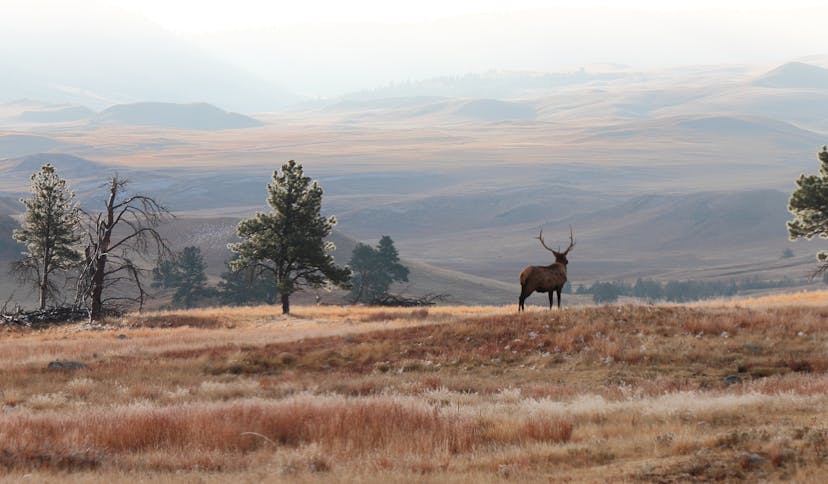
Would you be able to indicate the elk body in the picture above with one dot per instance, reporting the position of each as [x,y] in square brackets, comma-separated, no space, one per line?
[549,278]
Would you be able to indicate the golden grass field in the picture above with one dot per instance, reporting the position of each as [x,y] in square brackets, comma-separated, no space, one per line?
[442,394]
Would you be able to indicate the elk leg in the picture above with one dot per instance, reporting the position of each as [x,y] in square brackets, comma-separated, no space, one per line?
[522,298]
[551,299]
[559,299]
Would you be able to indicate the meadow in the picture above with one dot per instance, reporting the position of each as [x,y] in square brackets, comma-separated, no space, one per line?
[728,390]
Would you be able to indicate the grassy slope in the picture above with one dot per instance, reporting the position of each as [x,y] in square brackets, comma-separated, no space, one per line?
[438,395]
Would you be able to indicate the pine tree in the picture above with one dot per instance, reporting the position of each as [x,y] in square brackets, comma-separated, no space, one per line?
[389,260]
[605,292]
[375,270]
[246,286]
[185,274]
[363,265]
[809,205]
[289,242]
[49,231]
[166,275]
[192,282]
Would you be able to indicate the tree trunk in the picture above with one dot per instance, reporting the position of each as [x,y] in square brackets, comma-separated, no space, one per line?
[97,288]
[44,282]
[44,285]
[285,303]
[100,266]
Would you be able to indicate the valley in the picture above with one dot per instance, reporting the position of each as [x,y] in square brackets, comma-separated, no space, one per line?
[679,174]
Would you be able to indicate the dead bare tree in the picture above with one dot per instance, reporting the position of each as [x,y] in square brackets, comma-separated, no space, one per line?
[549,278]
[119,239]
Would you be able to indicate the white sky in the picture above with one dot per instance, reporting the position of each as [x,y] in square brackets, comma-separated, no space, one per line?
[330,47]
[200,16]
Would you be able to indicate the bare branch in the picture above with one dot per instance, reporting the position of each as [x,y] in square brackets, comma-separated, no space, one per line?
[109,262]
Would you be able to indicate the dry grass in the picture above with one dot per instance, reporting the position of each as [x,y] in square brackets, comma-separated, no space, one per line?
[732,391]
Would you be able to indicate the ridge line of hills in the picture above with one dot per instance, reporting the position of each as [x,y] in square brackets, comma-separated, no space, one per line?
[193,116]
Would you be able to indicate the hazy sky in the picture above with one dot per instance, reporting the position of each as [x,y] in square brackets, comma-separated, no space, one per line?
[331,47]
[198,16]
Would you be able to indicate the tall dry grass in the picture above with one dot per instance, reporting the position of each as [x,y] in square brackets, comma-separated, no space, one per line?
[627,393]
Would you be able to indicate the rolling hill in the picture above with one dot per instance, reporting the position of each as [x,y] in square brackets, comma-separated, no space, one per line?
[68,166]
[9,205]
[9,248]
[195,116]
[433,109]
[796,75]
[495,110]
[57,115]
[711,129]
[16,145]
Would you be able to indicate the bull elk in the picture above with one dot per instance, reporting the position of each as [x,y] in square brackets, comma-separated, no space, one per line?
[550,278]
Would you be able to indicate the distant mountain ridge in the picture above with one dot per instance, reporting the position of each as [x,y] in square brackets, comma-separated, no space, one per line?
[795,75]
[493,84]
[195,116]
[14,145]
[68,166]
[57,115]
[711,127]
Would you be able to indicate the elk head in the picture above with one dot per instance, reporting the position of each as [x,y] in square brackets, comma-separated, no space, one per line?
[560,257]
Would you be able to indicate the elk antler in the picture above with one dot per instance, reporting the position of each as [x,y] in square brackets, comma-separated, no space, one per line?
[571,241]
[540,237]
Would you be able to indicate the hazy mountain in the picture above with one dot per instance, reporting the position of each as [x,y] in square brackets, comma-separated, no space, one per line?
[726,128]
[196,116]
[805,108]
[693,222]
[57,115]
[495,110]
[493,84]
[9,205]
[436,109]
[68,166]
[795,75]
[9,248]
[99,55]
[15,145]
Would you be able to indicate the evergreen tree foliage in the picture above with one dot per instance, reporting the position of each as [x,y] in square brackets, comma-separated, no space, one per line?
[166,274]
[680,291]
[606,292]
[49,231]
[289,243]
[245,287]
[185,274]
[648,289]
[809,205]
[192,285]
[374,270]
[363,260]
